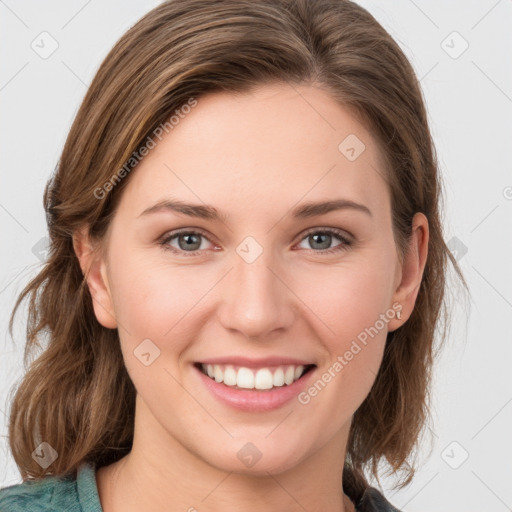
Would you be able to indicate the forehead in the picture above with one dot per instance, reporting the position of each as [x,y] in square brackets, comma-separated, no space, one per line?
[277,144]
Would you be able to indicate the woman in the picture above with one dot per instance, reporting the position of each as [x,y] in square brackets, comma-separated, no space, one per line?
[202,352]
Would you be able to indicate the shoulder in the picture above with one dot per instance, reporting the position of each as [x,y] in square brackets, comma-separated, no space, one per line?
[373,501]
[51,493]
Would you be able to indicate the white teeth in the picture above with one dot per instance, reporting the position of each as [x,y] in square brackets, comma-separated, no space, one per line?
[289,375]
[246,378]
[263,379]
[230,376]
[278,379]
[218,373]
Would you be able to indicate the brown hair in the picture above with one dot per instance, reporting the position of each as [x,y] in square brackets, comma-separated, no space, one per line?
[77,395]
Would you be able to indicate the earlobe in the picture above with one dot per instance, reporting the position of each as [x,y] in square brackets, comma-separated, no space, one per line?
[93,266]
[412,268]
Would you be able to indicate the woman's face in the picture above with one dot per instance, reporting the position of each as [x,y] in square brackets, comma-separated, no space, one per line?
[262,285]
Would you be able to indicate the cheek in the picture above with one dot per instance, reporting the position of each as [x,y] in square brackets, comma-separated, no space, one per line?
[351,308]
[347,299]
[156,304]
[152,300]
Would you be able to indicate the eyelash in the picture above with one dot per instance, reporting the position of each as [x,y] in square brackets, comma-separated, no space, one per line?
[345,245]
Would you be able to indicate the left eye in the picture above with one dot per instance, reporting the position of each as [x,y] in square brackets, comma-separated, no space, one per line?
[324,237]
[189,242]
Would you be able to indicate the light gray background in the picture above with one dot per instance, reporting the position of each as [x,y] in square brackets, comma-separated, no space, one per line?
[469,100]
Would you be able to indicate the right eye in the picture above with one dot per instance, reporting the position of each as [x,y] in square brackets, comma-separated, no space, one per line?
[188,242]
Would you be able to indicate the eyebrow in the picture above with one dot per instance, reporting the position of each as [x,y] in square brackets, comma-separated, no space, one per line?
[304,211]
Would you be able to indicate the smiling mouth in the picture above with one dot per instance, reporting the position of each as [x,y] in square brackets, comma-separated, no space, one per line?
[265,378]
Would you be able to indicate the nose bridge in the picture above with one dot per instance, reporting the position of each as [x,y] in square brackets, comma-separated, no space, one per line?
[256,301]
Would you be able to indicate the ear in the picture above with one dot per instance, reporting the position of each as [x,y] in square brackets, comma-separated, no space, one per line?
[93,266]
[410,273]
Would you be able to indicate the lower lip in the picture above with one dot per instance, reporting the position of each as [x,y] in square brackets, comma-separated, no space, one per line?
[252,400]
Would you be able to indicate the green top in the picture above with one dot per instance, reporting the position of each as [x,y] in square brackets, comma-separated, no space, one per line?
[80,494]
[55,494]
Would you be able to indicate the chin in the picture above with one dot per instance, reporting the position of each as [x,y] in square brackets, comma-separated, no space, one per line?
[257,457]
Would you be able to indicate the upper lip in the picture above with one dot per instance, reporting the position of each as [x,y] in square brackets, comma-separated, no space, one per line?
[256,363]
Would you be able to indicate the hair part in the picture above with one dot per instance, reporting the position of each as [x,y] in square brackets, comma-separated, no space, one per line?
[77,395]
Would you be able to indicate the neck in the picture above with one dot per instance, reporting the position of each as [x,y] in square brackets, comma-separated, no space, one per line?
[160,474]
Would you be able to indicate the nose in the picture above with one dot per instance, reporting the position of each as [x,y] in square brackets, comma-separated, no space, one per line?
[256,300]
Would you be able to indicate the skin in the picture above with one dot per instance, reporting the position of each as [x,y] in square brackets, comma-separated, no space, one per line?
[276,146]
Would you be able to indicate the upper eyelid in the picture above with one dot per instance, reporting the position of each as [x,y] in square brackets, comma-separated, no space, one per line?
[335,231]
